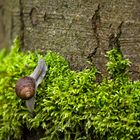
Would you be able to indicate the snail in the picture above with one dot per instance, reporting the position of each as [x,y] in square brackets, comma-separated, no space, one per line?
[26,86]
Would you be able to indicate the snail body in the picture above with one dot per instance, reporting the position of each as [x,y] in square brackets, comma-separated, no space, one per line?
[25,88]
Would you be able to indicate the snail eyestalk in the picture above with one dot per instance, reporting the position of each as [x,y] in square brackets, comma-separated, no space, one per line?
[26,87]
[39,72]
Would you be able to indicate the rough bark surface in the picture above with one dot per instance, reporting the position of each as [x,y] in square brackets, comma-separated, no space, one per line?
[5,24]
[78,29]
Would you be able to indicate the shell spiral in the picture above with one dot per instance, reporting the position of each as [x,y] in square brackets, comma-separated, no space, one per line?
[25,88]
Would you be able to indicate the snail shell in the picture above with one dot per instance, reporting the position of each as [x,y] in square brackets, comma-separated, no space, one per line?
[25,87]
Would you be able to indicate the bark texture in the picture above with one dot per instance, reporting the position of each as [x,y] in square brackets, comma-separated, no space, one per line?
[79,29]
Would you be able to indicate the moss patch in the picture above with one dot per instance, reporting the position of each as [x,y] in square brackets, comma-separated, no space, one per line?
[70,105]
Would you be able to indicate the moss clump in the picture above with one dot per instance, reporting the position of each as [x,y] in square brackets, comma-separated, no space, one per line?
[70,105]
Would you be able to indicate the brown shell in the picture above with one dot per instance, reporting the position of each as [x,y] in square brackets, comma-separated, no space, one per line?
[25,88]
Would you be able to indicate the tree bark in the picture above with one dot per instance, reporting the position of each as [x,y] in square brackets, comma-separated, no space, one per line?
[78,29]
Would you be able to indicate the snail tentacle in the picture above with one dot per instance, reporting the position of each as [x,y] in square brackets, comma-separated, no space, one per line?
[39,72]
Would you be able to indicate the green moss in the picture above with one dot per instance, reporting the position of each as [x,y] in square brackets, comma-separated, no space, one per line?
[70,105]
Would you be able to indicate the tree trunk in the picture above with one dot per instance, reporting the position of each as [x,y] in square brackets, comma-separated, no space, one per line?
[78,29]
